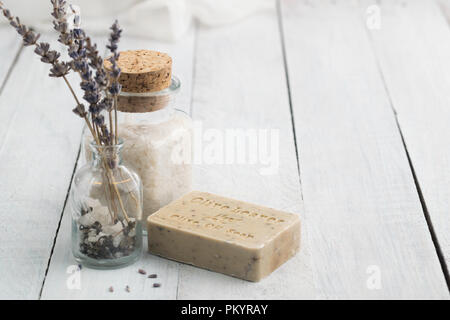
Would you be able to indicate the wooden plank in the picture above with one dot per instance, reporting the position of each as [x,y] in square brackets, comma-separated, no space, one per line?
[369,237]
[240,83]
[9,49]
[39,140]
[418,84]
[94,284]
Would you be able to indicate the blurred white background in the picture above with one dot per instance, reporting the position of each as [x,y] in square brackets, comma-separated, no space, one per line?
[158,19]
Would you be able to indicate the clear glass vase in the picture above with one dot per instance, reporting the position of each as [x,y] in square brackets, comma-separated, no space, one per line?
[106,211]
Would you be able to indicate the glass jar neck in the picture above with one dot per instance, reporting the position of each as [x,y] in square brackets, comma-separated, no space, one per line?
[152,117]
[110,156]
[151,104]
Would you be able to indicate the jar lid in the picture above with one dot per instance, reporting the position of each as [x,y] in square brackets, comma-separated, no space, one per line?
[143,70]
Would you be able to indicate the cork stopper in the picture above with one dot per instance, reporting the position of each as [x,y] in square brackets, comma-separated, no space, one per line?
[143,70]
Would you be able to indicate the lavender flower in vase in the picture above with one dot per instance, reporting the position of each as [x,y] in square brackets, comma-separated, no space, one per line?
[106,196]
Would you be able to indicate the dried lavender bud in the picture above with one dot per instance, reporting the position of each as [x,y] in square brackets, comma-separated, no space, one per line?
[106,104]
[7,14]
[115,72]
[59,70]
[114,37]
[88,85]
[51,57]
[79,34]
[60,24]
[94,110]
[92,97]
[80,66]
[111,289]
[42,49]
[96,62]
[99,120]
[77,53]
[58,9]
[142,271]
[61,27]
[80,110]
[127,289]
[153,276]
[65,38]
[156,285]
[29,37]
[13,24]
[92,48]
[101,79]
[105,137]
[115,88]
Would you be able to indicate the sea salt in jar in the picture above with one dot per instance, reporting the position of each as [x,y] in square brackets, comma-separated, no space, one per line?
[157,137]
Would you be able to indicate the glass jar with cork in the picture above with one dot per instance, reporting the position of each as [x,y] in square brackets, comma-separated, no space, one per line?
[157,137]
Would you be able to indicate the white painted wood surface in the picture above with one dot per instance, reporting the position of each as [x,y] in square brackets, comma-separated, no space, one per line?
[357,198]
[39,142]
[9,49]
[418,84]
[360,199]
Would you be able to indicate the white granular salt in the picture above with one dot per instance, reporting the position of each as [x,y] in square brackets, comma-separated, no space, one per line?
[160,154]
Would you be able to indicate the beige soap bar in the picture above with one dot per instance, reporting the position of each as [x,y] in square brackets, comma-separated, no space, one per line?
[224,235]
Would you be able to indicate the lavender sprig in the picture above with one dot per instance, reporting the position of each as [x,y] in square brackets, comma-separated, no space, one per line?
[92,87]
[60,24]
[79,49]
[59,69]
[29,37]
[99,91]
[42,49]
[75,40]
[114,86]
[96,62]
[84,56]
[114,39]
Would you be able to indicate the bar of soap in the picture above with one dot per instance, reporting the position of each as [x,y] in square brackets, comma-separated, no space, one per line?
[224,235]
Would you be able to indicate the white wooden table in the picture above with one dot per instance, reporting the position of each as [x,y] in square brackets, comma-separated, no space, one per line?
[363,111]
